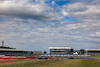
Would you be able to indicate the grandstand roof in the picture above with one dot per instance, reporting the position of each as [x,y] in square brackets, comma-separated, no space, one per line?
[1,49]
[92,49]
[59,48]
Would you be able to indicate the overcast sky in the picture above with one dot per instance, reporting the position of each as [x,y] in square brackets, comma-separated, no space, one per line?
[38,24]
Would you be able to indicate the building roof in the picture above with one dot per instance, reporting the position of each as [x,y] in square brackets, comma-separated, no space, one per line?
[92,49]
[12,50]
[59,48]
[5,47]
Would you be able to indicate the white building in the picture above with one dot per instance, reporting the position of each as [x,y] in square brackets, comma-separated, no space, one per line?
[60,50]
[93,52]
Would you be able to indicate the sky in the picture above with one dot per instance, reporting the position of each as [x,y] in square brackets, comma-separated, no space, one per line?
[36,25]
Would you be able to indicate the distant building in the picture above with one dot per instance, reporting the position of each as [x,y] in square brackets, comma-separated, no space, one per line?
[6,51]
[93,52]
[76,53]
[11,51]
[60,50]
[37,52]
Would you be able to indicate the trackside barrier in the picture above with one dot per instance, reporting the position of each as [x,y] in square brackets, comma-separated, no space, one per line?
[16,57]
[68,55]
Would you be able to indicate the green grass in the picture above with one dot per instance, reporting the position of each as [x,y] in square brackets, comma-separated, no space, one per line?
[51,63]
[95,56]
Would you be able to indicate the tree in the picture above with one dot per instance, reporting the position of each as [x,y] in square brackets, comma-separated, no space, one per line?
[45,52]
[82,51]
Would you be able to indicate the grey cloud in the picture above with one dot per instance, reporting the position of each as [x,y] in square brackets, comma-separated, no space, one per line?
[25,10]
[95,35]
[82,11]
[25,32]
[32,34]
[75,7]
[68,0]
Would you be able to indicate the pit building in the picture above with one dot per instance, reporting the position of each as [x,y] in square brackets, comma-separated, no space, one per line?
[60,50]
[93,52]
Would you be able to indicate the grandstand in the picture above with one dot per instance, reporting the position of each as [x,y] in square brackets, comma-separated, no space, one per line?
[60,50]
[12,51]
[93,52]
